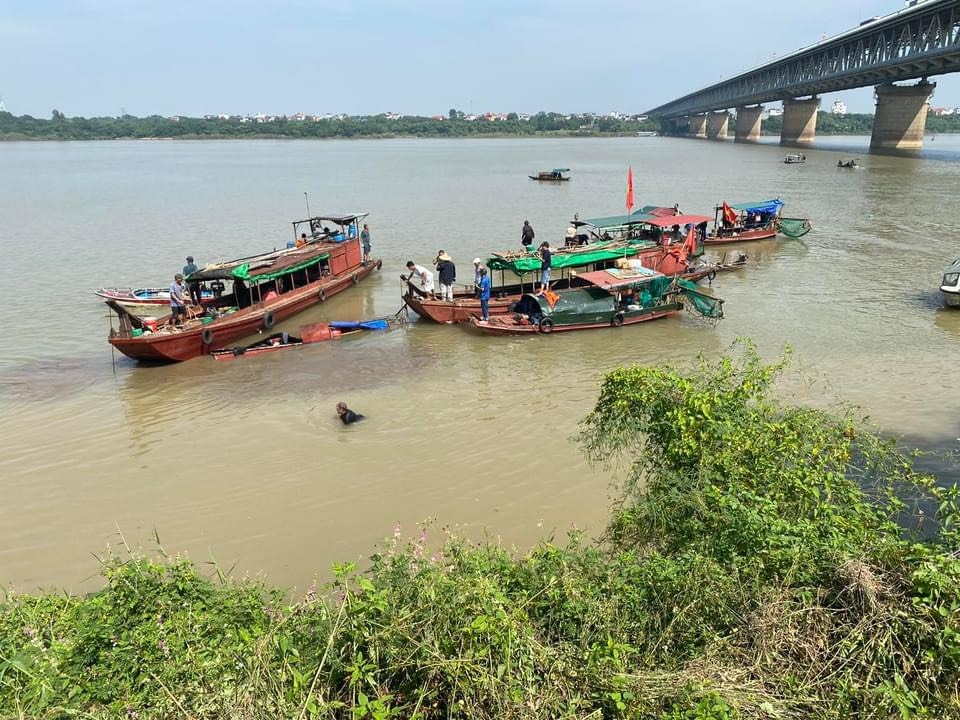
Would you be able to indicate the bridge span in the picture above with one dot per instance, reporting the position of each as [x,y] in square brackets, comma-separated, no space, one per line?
[915,43]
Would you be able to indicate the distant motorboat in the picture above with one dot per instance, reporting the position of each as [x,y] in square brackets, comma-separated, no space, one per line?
[555,175]
[794,159]
[647,133]
[852,163]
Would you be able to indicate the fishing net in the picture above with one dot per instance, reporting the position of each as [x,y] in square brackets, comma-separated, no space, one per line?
[794,227]
[707,307]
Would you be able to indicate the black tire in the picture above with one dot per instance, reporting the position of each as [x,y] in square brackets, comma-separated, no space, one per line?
[323,294]
[268,319]
[207,336]
[379,264]
[356,278]
[617,321]
[711,275]
[546,325]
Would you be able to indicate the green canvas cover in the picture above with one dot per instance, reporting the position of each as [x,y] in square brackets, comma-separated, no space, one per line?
[522,265]
[242,272]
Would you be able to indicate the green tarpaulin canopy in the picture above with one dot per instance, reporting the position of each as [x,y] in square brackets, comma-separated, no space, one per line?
[523,265]
[242,272]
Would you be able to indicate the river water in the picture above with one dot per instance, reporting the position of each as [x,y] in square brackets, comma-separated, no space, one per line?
[246,463]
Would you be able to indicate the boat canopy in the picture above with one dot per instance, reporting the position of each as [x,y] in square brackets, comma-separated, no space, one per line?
[671,220]
[560,170]
[259,268]
[612,278]
[530,263]
[767,207]
[343,220]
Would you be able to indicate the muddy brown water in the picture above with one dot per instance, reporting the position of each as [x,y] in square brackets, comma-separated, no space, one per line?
[245,461]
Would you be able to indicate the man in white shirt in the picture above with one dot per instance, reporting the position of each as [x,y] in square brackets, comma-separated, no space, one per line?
[426,278]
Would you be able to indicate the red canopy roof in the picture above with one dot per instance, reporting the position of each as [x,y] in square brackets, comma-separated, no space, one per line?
[681,220]
[607,280]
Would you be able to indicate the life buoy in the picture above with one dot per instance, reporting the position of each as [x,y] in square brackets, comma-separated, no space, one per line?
[207,336]
[323,294]
[268,319]
[356,278]
[617,320]
[546,325]
[379,264]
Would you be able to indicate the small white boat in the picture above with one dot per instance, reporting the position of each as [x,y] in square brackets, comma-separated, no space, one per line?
[950,285]
[795,158]
[147,296]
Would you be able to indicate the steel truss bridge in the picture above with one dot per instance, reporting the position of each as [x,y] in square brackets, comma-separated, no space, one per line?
[916,42]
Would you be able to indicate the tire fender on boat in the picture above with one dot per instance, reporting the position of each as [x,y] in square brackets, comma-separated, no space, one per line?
[379,264]
[711,275]
[546,325]
[206,337]
[356,278]
[617,320]
[268,319]
[323,294]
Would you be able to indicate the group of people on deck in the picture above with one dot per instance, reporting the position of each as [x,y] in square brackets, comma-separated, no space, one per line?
[447,273]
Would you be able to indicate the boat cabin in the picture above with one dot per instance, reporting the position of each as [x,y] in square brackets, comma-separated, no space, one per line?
[658,226]
[555,175]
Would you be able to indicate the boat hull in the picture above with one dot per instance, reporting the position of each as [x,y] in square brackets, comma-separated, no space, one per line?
[764,233]
[189,343]
[505,325]
[950,299]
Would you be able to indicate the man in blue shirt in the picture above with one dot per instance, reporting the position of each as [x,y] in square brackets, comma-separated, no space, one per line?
[193,287]
[484,295]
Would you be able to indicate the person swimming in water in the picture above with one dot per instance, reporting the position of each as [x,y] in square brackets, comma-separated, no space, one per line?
[347,416]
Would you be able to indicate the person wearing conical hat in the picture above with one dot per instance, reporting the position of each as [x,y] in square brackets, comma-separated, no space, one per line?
[447,274]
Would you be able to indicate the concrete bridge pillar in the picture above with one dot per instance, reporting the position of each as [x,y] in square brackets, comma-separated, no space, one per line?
[799,121]
[901,116]
[698,126]
[673,126]
[717,123]
[748,123]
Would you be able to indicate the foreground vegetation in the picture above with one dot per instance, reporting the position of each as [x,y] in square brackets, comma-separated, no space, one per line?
[745,573]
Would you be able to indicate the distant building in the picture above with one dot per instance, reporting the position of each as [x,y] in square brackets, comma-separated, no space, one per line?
[838,108]
[774,112]
[944,111]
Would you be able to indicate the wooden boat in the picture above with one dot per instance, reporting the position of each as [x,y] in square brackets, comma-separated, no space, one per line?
[672,258]
[852,163]
[794,159]
[742,222]
[950,284]
[555,175]
[609,299]
[267,289]
[145,297]
[309,334]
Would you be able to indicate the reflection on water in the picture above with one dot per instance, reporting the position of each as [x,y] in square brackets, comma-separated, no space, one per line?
[245,460]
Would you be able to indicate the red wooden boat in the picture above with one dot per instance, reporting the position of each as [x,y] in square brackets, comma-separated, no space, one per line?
[743,222]
[668,259]
[267,289]
[309,334]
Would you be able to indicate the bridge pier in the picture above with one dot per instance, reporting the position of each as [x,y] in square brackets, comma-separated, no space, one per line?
[901,117]
[799,121]
[717,124]
[675,126]
[698,126]
[748,123]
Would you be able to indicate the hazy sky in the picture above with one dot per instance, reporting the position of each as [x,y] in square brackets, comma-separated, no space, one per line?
[94,57]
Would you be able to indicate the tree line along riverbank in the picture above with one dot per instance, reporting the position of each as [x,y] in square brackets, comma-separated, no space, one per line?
[60,127]
[764,560]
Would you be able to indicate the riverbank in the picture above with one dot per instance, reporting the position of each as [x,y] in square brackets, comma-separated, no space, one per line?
[744,574]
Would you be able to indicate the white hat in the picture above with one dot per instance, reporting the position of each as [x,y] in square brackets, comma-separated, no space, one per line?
[476,261]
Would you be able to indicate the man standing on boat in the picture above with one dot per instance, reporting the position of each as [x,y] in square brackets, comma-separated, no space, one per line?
[546,262]
[527,235]
[365,241]
[477,266]
[178,305]
[193,287]
[447,274]
[484,295]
